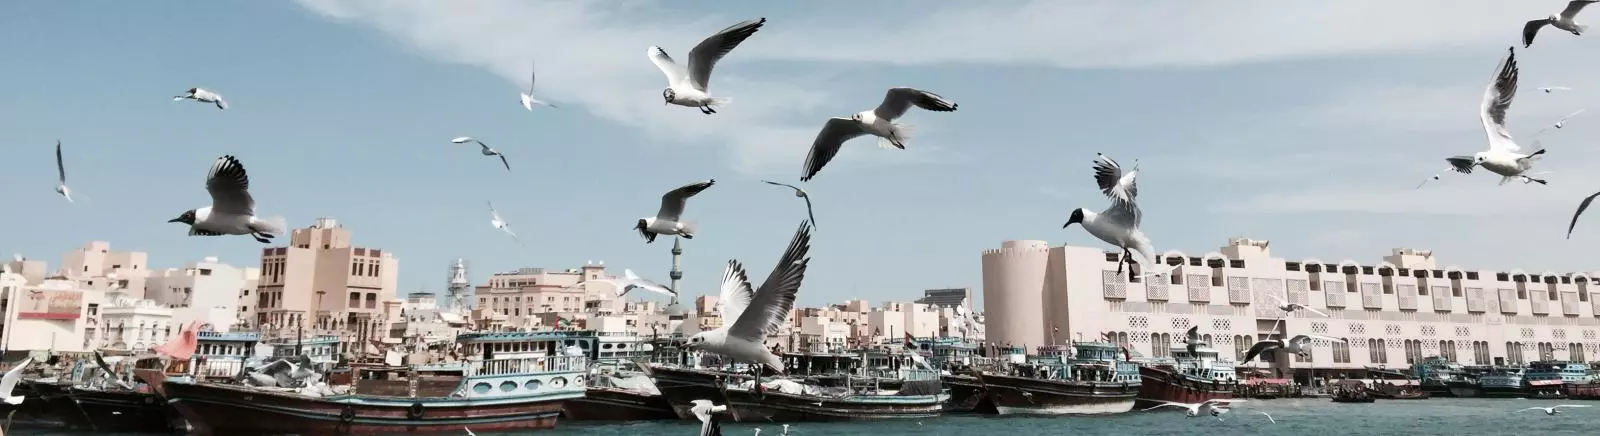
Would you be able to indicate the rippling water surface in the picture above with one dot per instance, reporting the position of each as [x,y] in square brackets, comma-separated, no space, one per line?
[1441,416]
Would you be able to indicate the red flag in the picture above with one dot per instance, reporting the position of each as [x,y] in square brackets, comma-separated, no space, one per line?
[182,346]
[909,343]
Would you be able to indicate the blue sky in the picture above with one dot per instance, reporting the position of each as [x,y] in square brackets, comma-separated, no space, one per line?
[1307,124]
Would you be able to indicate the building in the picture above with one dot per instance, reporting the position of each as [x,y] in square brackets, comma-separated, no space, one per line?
[324,284]
[1392,313]
[519,296]
[97,267]
[135,324]
[948,298]
[56,314]
[208,292]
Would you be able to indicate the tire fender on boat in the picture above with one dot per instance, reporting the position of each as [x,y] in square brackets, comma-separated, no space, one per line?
[415,411]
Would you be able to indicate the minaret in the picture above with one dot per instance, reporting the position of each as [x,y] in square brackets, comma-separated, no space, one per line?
[459,286]
[675,312]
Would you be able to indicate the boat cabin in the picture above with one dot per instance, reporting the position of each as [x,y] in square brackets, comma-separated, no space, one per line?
[1205,363]
[1084,361]
[1558,372]
[222,354]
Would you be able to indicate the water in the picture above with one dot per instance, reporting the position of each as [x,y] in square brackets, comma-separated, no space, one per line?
[1440,416]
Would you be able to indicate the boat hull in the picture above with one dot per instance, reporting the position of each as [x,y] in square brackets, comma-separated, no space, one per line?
[772,406]
[681,386]
[62,406]
[610,404]
[1585,391]
[1502,392]
[1159,385]
[124,411]
[967,395]
[230,410]
[1022,395]
[1464,389]
[1437,389]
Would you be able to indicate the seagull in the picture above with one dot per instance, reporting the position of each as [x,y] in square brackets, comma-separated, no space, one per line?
[469,431]
[706,411]
[8,382]
[1564,21]
[232,210]
[1581,207]
[1553,410]
[802,194]
[486,150]
[759,313]
[1192,340]
[500,224]
[1425,181]
[1195,409]
[204,96]
[1503,157]
[786,430]
[1295,345]
[878,122]
[107,373]
[1269,417]
[689,87]
[1559,123]
[1119,224]
[61,173]
[1288,307]
[666,221]
[628,283]
[527,97]
[1548,89]
[1218,410]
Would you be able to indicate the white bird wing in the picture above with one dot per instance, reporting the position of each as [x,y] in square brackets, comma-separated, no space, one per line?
[770,305]
[229,186]
[1269,416]
[1313,310]
[675,73]
[1275,297]
[1497,100]
[703,58]
[495,214]
[645,284]
[1573,7]
[1121,188]
[462,139]
[1532,408]
[701,409]
[8,382]
[533,76]
[735,294]
[899,100]
[61,168]
[1172,404]
[833,136]
[673,201]
[1570,405]
[469,431]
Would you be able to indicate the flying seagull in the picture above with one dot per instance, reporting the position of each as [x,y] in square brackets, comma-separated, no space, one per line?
[204,96]
[760,313]
[500,224]
[1559,123]
[232,210]
[877,122]
[628,283]
[1549,89]
[710,425]
[1294,345]
[8,382]
[1192,340]
[1504,156]
[1581,207]
[1554,410]
[1425,181]
[1564,21]
[1269,416]
[486,150]
[1288,307]
[688,87]
[106,372]
[527,97]
[666,221]
[1118,225]
[61,173]
[802,194]
[1195,409]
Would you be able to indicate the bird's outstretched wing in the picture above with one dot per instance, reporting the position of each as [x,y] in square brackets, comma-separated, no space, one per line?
[1461,164]
[1497,100]
[703,58]
[229,186]
[1260,347]
[1170,404]
[1531,29]
[675,73]
[1581,207]
[1122,188]
[770,306]
[735,291]
[503,161]
[1573,7]
[899,100]
[672,203]
[833,136]
[61,168]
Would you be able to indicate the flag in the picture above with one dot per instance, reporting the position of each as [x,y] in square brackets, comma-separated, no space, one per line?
[909,341]
[182,346]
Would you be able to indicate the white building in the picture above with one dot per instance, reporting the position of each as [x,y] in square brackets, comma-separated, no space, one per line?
[207,291]
[135,324]
[56,314]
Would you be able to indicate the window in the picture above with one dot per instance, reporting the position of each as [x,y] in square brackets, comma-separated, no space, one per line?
[205,271]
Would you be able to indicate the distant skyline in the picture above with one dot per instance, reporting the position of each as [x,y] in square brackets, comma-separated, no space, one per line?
[1307,124]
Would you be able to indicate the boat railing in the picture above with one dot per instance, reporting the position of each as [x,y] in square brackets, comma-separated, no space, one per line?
[527,365]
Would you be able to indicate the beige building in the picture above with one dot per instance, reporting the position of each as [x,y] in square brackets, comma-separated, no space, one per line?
[95,266]
[519,296]
[55,314]
[1392,313]
[209,292]
[323,283]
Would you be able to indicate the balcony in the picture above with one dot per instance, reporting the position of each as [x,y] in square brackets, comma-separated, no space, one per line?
[527,365]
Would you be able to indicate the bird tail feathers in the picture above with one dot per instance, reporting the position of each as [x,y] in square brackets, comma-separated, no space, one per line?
[275,226]
[902,133]
[720,101]
[690,228]
[1583,28]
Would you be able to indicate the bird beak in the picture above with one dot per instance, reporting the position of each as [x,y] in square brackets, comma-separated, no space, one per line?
[175,220]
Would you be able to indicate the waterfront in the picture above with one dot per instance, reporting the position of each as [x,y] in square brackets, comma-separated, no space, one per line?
[1463,417]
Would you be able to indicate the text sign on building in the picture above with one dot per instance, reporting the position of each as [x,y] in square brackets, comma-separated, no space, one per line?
[51,304]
